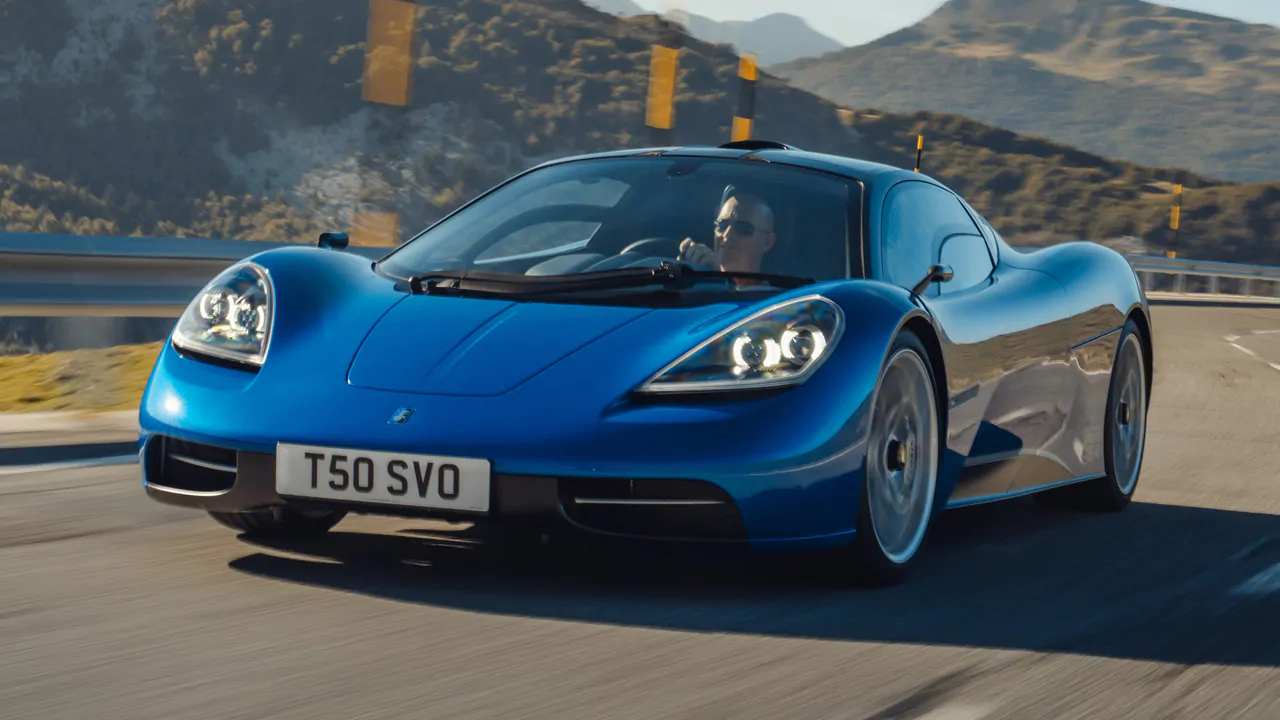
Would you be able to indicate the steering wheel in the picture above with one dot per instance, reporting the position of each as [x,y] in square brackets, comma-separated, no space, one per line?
[659,246]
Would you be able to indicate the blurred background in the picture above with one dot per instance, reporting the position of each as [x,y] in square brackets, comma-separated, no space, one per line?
[256,121]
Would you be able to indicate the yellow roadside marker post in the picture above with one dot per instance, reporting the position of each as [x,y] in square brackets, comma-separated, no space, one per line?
[1175,220]
[376,228]
[660,116]
[748,74]
[387,80]
[919,150]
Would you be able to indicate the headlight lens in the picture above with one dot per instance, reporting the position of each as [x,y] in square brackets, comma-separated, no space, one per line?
[231,318]
[782,345]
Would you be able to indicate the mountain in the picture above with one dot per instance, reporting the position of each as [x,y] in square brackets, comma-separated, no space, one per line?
[1120,78]
[775,38]
[245,119]
[621,8]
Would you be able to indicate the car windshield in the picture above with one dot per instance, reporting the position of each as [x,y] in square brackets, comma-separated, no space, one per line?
[576,219]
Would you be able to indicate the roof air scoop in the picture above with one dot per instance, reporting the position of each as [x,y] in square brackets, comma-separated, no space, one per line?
[757,145]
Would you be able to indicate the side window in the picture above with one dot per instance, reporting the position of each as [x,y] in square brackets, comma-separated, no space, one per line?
[984,227]
[918,218]
[969,261]
[990,234]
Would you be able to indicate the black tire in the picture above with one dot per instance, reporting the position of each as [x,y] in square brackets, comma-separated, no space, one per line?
[870,563]
[280,522]
[1114,491]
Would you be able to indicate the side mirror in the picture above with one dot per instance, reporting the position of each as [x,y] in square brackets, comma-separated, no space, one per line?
[937,273]
[333,240]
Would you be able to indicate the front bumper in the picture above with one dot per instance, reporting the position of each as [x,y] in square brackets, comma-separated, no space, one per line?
[218,479]
[789,464]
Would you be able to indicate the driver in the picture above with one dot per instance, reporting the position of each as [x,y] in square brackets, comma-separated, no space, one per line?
[744,233]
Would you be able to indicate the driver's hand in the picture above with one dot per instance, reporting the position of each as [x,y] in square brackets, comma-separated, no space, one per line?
[692,252]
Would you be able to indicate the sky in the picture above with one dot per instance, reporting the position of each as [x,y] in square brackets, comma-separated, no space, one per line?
[854,22]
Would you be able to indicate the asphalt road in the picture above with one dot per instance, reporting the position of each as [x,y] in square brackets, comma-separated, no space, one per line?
[112,606]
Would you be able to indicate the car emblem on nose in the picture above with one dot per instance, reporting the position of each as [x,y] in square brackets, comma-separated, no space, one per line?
[401,417]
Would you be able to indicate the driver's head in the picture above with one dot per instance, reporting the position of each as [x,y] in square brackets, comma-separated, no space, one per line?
[744,233]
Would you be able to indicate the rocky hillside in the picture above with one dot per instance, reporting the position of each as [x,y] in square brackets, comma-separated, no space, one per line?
[239,118]
[1122,78]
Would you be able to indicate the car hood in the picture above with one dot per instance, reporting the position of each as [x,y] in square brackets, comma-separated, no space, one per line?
[483,347]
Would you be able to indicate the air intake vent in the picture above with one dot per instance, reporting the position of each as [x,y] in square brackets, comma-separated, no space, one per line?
[662,509]
[195,467]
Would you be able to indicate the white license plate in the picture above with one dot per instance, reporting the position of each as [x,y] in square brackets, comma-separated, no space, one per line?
[387,478]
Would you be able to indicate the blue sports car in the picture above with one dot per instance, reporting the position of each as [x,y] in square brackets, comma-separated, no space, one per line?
[745,344]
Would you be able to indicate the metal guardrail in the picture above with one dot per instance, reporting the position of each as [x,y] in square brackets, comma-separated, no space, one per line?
[46,275]
[86,276]
[1260,282]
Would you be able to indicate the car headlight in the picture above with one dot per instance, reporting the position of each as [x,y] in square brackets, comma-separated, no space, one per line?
[779,346]
[231,317]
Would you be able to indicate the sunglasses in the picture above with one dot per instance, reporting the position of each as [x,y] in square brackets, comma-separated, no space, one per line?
[742,227]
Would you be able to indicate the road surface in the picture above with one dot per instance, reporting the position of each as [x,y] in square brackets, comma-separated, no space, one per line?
[112,606]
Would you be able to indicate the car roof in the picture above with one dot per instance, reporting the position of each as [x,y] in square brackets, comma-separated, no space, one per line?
[766,150]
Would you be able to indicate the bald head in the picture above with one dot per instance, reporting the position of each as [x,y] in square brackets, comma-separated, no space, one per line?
[751,208]
[744,233]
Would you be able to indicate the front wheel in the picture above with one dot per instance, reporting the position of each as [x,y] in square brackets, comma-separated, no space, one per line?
[281,522]
[901,469]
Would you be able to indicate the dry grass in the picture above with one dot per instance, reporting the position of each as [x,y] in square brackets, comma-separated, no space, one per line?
[77,380]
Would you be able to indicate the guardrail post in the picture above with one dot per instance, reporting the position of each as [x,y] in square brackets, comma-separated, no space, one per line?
[1247,288]
[1179,283]
[1213,284]
[1145,279]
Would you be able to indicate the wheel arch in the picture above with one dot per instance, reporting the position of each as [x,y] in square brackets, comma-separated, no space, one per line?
[889,311]
[950,464]
[866,551]
[1139,317]
[922,328]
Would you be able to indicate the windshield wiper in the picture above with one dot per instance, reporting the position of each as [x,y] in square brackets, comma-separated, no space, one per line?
[782,281]
[669,275]
[461,281]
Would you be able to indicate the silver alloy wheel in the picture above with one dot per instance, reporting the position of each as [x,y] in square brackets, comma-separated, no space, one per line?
[1128,427]
[902,456]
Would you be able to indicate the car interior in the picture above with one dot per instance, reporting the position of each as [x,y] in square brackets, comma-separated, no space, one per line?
[815,231]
